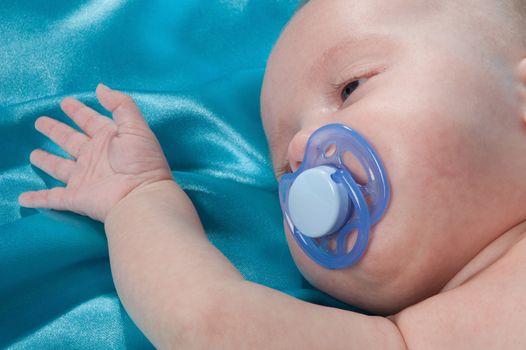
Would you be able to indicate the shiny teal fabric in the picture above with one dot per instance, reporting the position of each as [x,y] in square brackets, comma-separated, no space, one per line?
[195,68]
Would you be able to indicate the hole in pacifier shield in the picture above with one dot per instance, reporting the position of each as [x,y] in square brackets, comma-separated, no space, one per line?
[328,244]
[330,150]
[350,241]
[355,167]
[332,244]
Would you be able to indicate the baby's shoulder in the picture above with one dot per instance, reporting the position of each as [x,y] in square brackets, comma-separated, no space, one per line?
[487,311]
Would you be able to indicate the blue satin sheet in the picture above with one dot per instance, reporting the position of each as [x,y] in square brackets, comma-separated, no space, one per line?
[195,68]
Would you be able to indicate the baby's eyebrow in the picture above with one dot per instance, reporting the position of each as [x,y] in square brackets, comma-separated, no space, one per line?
[352,45]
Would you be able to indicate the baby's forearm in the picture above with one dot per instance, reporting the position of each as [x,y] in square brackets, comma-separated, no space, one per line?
[163,265]
[184,294]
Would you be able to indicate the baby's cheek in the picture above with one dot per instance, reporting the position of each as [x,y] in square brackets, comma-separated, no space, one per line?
[437,155]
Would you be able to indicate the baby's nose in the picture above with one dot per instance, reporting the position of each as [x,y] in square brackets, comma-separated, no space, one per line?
[296,150]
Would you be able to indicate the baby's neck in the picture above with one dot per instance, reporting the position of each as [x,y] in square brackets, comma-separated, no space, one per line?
[487,256]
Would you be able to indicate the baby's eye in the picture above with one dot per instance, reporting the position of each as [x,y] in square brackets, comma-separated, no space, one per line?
[349,89]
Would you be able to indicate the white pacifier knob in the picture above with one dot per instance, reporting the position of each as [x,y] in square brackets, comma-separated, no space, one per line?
[317,205]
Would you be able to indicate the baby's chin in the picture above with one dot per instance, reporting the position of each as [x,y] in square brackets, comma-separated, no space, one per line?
[378,285]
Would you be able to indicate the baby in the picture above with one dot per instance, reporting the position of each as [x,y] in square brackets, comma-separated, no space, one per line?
[437,87]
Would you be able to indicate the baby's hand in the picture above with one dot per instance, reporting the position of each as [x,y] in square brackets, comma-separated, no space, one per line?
[113,157]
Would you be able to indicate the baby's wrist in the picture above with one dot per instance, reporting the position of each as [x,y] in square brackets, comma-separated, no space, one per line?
[154,186]
[155,206]
[145,189]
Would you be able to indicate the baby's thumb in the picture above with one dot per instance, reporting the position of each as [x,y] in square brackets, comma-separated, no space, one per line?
[124,109]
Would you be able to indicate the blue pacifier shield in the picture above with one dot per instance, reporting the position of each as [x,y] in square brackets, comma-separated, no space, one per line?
[322,202]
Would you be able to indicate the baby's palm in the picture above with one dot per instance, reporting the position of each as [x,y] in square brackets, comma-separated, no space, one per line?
[113,157]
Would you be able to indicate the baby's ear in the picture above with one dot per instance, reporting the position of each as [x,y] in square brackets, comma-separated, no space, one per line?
[522,76]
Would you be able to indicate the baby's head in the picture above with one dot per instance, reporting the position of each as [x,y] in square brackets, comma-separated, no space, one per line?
[439,89]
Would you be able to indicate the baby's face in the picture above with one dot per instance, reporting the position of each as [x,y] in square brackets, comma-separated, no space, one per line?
[435,97]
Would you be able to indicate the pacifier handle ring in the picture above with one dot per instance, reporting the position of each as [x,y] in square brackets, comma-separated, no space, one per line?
[359,221]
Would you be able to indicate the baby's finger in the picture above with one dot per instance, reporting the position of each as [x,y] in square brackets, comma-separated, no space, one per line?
[89,120]
[63,135]
[53,198]
[58,167]
[124,109]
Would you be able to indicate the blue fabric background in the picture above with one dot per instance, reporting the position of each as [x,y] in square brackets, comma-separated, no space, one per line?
[195,68]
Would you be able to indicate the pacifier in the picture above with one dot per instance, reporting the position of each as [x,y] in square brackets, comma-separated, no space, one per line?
[324,205]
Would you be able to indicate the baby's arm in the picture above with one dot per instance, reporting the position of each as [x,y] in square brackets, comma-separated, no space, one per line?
[184,294]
